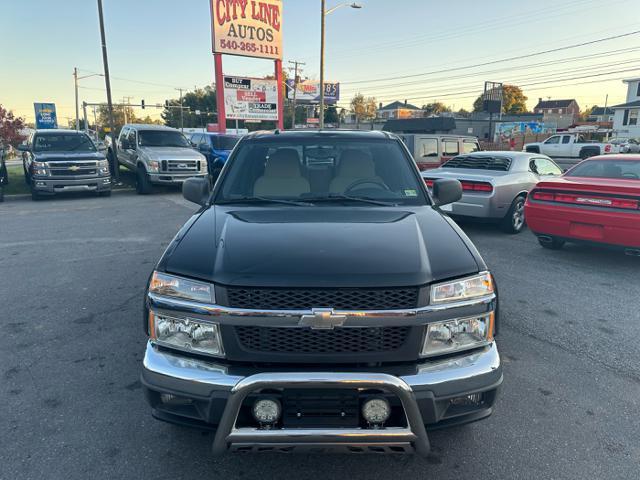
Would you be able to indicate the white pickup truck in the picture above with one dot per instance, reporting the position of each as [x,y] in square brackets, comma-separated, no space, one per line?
[569,146]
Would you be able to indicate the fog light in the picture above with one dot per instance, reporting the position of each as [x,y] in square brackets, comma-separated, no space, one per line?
[266,411]
[467,401]
[169,399]
[376,411]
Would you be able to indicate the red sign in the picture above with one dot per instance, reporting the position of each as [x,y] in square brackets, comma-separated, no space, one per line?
[212,127]
[251,96]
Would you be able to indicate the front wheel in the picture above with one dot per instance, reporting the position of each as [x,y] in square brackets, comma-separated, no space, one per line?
[105,193]
[1,194]
[514,221]
[586,153]
[143,185]
[35,196]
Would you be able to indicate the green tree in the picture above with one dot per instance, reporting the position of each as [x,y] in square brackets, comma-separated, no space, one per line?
[435,108]
[513,100]
[200,99]
[463,112]
[586,112]
[10,128]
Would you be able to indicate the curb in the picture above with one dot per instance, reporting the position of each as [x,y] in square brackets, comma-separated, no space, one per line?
[16,196]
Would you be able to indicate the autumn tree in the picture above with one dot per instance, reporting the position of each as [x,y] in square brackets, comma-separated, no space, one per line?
[200,99]
[513,100]
[435,108]
[10,128]
[364,108]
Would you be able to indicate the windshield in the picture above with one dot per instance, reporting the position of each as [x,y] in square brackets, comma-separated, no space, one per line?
[623,169]
[225,142]
[63,142]
[325,170]
[162,138]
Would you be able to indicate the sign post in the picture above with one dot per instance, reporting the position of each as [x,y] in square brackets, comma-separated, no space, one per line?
[249,29]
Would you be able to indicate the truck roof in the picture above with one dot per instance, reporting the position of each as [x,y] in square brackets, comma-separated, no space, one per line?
[150,126]
[312,133]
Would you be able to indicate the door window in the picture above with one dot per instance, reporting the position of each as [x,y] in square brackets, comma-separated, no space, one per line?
[470,146]
[545,166]
[450,148]
[552,140]
[131,139]
[428,147]
[566,139]
[195,139]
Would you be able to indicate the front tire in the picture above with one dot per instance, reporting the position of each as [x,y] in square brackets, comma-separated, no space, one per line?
[106,193]
[143,185]
[514,221]
[35,196]
[554,244]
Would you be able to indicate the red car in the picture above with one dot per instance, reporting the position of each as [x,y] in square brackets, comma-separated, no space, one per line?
[597,201]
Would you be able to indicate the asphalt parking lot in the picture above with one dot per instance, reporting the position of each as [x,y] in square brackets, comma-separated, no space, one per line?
[72,275]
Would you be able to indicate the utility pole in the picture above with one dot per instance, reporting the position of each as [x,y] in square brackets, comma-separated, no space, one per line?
[108,87]
[322,16]
[181,111]
[295,89]
[125,104]
[75,82]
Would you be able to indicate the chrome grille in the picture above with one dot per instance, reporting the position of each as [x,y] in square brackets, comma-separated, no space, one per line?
[180,166]
[298,340]
[339,298]
[72,169]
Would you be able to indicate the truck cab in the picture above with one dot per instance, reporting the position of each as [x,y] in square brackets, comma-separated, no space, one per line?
[431,151]
[569,145]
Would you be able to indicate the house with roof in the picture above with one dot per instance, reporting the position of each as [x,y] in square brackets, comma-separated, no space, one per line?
[625,117]
[601,115]
[399,110]
[562,113]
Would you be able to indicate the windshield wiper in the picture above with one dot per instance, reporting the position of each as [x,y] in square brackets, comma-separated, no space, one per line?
[340,196]
[256,199]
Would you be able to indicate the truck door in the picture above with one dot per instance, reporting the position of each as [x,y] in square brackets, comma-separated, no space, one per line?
[551,146]
[565,146]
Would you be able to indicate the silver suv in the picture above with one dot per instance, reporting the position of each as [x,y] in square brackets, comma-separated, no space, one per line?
[159,155]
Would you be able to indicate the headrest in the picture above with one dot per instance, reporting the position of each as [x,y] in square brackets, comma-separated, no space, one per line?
[356,163]
[283,163]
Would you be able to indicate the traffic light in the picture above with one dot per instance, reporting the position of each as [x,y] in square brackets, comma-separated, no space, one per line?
[142,103]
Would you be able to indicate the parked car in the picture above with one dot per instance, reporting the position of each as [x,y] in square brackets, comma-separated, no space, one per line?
[625,145]
[4,175]
[158,155]
[494,184]
[56,161]
[569,146]
[597,201]
[216,147]
[320,299]
[431,151]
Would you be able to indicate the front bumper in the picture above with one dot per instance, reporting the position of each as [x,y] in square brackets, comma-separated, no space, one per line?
[48,185]
[216,392]
[173,178]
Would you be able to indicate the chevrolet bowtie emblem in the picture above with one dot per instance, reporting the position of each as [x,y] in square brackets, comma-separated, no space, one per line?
[74,168]
[322,319]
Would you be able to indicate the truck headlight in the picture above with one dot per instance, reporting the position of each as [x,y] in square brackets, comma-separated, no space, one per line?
[177,287]
[459,334]
[186,334]
[462,289]
[103,167]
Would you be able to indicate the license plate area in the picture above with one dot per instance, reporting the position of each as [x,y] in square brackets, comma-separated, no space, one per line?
[320,408]
[587,230]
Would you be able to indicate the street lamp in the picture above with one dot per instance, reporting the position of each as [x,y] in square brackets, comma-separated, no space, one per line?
[75,81]
[324,13]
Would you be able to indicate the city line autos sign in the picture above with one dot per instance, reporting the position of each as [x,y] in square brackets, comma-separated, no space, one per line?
[46,115]
[250,98]
[308,91]
[251,28]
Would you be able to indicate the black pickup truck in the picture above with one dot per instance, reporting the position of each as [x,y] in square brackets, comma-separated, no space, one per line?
[57,161]
[320,300]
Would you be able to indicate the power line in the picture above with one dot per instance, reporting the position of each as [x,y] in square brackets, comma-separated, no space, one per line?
[508,59]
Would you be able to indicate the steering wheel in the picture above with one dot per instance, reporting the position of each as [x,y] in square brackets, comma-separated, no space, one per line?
[364,181]
[630,175]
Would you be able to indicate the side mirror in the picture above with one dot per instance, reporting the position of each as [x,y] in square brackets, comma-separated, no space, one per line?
[196,190]
[446,190]
[23,147]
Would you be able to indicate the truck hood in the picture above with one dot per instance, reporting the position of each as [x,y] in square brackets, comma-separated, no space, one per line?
[321,247]
[171,153]
[67,156]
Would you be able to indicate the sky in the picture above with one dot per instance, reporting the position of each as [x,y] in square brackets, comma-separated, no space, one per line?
[418,50]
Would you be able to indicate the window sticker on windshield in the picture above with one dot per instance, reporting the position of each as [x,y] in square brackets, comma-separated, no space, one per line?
[410,193]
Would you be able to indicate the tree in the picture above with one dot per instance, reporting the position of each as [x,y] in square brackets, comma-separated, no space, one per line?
[435,108]
[363,108]
[513,100]
[10,128]
[586,112]
[331,114]
[200,99]
[463,112]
